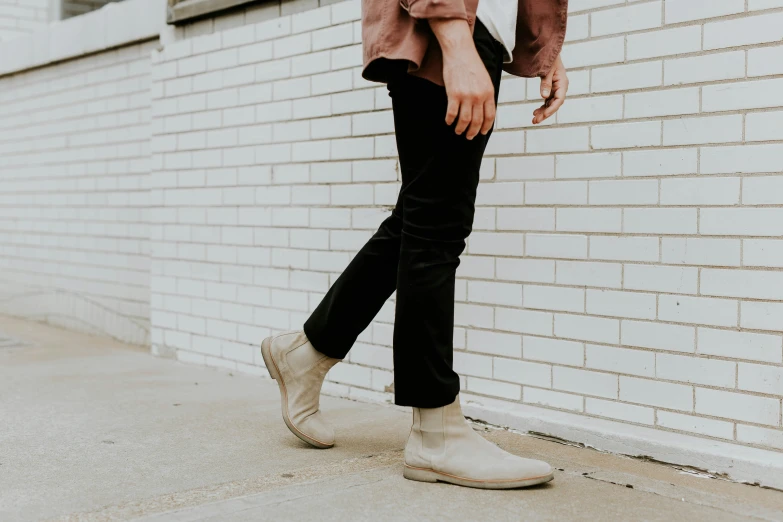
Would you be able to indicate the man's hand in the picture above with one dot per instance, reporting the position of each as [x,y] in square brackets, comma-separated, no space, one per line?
[553,90]
[468,86]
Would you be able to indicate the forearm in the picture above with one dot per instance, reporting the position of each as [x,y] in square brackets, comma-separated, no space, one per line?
[453,35]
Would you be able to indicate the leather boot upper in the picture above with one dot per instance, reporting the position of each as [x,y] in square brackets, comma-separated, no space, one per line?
[443,441]
[302,370]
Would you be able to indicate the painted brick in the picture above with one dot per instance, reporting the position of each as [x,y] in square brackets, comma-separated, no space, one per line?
[494,388]
[698,310]
[626,135]
[632,192]
[659,336]
[553,399]
[713,129]
[624,248]
[760,410]
[469,364]
[553,298]
[496,243]
[621,304]
[743,95]
[557,246]
[658,278]
[553,350]
[525,167]
[585,273]
[667,42]
[660,220]
[762,436]
[760,378]
[753,284]
[595,52]
[764,126]
[693,424]
[710,67]
[667,102]
[701,251]
[685,10]
[527,270]
[569,139]
[620,411]
[495,343]
[620,360]
[765,61]
[741,221]
[523,372]
[762,253]
[527,219]
[587,328]
[584,381]
[762,190]
[744,31]
[656,393]
[556,192]
[592,165]
[523,321]
[700,191]
[696,370]
[589,220]
[627,77]
[762,316]
[665,162]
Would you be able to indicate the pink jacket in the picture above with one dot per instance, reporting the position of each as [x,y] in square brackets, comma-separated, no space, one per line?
[392,31]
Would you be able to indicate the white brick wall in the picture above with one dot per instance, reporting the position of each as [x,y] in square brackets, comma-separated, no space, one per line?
[626,257]
[74,193]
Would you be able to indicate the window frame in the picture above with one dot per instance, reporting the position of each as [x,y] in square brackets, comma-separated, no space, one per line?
[180,11]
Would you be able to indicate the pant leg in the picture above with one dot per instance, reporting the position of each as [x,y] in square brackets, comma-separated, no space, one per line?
[359,293]
[440,175]
[428,149]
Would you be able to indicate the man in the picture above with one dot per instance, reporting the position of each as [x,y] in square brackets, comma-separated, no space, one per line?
[442,61]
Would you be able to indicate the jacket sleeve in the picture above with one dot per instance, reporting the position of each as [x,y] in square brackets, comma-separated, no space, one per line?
[435,8]
[541,28]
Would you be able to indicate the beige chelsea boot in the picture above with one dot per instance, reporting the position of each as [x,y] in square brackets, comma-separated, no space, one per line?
[299,370]
[443,447]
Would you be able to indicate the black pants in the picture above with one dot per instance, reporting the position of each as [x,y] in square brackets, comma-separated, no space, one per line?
[416,249]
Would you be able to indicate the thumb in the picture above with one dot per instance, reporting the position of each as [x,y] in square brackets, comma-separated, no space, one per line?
[546,84]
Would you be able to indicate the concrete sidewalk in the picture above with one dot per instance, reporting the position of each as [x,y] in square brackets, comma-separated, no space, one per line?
[95,430]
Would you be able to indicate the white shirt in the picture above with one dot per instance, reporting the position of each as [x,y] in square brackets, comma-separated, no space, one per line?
[500,19]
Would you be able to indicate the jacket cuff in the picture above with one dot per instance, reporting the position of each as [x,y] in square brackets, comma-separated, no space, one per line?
[425,9]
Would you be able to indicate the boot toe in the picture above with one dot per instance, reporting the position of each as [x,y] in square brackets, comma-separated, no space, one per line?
[536,468]
[315,428]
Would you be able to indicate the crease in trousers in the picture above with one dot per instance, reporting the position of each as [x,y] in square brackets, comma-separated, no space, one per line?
[416,249]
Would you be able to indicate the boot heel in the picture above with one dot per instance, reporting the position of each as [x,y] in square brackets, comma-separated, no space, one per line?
[266,344]
[418,474]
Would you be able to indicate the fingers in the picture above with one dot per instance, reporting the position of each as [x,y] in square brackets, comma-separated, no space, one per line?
[551,106]
[546,84]
[489,116]
[465,117]
[477,122]
[452,110]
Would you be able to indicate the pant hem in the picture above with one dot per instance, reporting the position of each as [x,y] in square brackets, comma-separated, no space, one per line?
[319,347]
[426,402]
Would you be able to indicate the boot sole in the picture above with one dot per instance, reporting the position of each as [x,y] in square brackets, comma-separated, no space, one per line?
[428,475]
[274,373]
